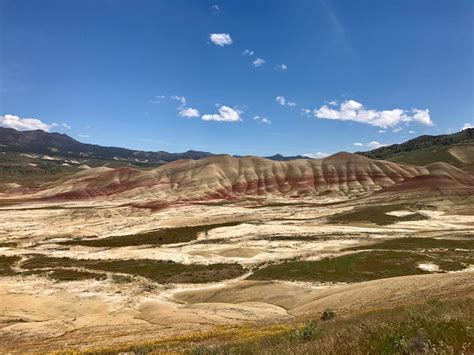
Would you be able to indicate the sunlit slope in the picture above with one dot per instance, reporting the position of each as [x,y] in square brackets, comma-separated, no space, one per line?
[226,177]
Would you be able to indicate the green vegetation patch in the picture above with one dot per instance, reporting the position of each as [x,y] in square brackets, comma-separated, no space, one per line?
[376,214]
[362,266]
[159,237]
[6,263]
[159,271]
[419,243]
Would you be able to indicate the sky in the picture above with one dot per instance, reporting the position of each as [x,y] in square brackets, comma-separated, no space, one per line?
[238,77]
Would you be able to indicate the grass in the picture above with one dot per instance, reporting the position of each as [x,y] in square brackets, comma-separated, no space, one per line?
[159,237]
[375,214]
[419,243]
[64,275]
[159,271]
[6,263]
[357,267]
[436,326]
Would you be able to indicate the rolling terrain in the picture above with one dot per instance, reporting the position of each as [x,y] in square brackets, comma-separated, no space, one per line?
[343,254]
[456,149]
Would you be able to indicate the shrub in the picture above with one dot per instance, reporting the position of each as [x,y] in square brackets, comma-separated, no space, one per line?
[328,314]
[308,332]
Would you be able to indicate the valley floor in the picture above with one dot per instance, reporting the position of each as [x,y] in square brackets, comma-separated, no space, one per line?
[104,275]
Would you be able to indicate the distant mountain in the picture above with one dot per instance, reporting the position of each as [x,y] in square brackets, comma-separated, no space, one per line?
[280,157]
[456,149]
[41,142]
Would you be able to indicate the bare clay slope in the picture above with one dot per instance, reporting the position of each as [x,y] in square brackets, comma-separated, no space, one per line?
[226,177]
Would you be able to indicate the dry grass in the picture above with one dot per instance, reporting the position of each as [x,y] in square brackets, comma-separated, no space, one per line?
[433,327]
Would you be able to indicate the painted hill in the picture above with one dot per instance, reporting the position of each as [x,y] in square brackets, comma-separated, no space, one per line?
[230,178]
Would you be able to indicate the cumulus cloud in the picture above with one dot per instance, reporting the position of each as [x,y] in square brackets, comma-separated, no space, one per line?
[281,67]
[305,111]
[316,155]
[467,126]
[65,125]
[375,145]
[248,52]
[189,112]
[258,62]
[370,145]
[23,124]
[262,119]
[352,110]
[226,114]
[281,100]
[220,39]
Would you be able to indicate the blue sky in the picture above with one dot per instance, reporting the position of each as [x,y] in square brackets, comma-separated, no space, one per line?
[331,73]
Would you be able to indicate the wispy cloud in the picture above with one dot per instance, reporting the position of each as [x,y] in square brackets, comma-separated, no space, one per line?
[258,62]
[281,67]
[23,124]
[220,39]
[226,114]
[65,125]
[181,100]
[352,110]
[281,100]
[215,9]
[247,52]
[262,119]
[83,136]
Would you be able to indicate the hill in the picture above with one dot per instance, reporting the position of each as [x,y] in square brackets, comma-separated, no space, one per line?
[229,178]
[456,149]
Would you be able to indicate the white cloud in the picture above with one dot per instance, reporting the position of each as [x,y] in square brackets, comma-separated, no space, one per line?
[258,62]
[352,110]
[375,145]
[65,125]
[305,111]
[397,129]
[189,112]
[157,99]
[317,155]
[215,8]
[220,39]
[382,131]
[358,144]
[181,99]
[83,135]
[411,132]
[281,67]
[262,119]
[466,126]
[247,52]
[226,114]
[333,103]
[281,100]
[23,124]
